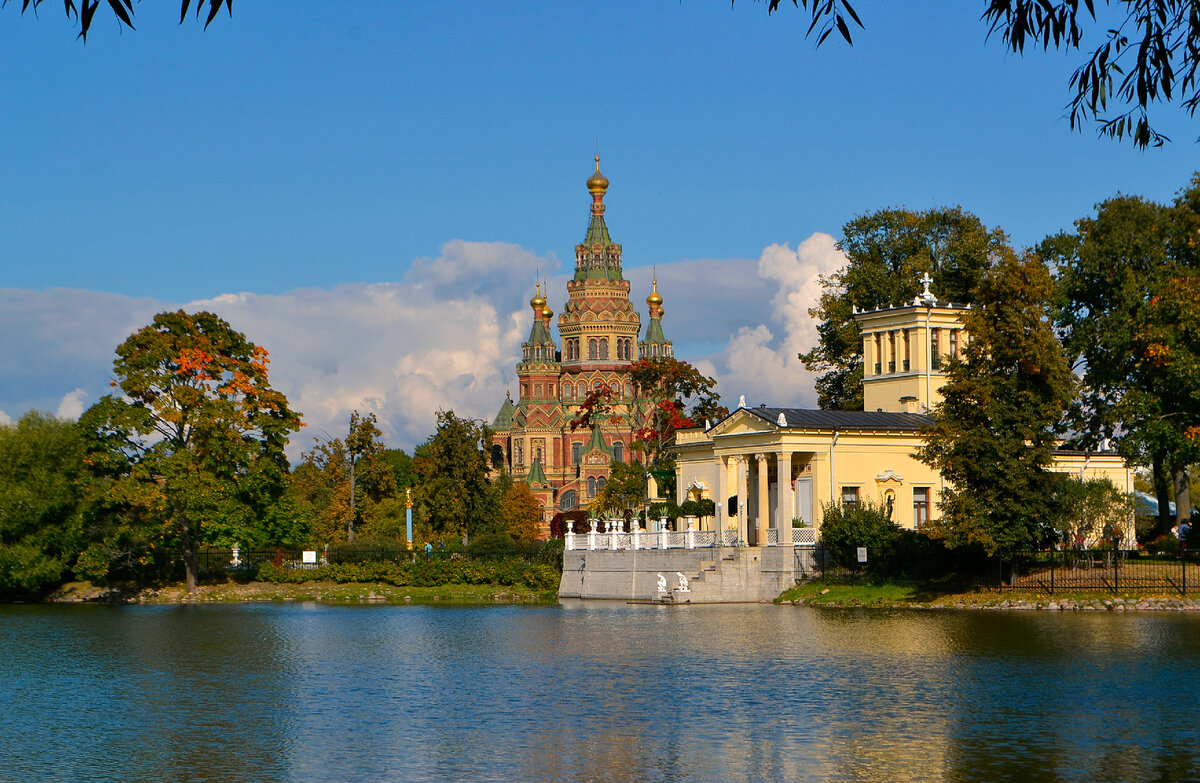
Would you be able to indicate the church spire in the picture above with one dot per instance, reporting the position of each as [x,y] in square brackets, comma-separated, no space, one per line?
[597,257]
[656,345]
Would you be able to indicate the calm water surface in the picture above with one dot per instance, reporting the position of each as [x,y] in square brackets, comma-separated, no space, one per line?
[595,693]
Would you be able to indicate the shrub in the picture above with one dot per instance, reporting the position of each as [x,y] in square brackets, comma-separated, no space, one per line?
[845,527]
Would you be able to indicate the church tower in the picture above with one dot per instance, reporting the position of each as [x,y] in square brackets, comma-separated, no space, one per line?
[598,331]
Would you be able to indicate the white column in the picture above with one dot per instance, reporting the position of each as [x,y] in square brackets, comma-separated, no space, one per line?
[743,493]
[762,508]
[719,484]
[785,499]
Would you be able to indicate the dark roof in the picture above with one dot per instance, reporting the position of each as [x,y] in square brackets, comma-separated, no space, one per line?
[805,419]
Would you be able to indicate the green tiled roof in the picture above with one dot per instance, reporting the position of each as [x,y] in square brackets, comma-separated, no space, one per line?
[504,418]
[597,233]
[654,332]
[596,442]
[536,474]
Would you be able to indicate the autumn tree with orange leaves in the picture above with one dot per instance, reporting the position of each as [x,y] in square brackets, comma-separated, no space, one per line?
[193,440]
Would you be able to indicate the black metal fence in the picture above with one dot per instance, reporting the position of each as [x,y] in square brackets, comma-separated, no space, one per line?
[1094,570]
[215,560]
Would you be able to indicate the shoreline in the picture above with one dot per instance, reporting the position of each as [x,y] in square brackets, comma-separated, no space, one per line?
[321,592]
[890,596]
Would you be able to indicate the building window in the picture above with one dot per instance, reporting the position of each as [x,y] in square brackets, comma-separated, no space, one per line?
[892,349]
[920,506]
[576,452]
[593,349]
[935,349]
[600,482]
[849,496]
[604,349]
[568,501]
[618,451]
[954,342]
[591,486]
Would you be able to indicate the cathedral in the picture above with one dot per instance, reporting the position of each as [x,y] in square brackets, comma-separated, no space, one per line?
[598,330]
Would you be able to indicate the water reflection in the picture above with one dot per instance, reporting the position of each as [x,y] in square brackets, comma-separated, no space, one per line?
[594,692]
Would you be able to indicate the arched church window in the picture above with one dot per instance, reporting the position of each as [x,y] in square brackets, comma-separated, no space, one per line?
[593,349]
[618,451]
[591,486]
[629,391]
[600,482]
[604,349]
[576,452]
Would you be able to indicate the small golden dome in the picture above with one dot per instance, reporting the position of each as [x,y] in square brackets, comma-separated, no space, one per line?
[547,313]
[538,301]
[654,300]
[597,183]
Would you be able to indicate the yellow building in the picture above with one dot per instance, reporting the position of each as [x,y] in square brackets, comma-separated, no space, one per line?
[765,467]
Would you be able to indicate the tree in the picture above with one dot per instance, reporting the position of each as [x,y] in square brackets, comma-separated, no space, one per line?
[43,490]
[452,493]
[341,482]
[1150,52]
[520,511]
[625,489]
[123,11]
[1129,288]
[994,434]
[888,252]
[195,437]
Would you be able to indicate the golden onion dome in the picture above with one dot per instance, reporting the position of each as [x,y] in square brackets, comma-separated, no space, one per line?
[654,300]
[538,301]
[547,313]
[597,183]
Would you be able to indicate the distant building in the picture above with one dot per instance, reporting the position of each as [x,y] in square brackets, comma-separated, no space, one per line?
[599,333]
[765,467]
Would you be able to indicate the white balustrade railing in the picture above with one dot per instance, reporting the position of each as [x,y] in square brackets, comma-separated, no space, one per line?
[804,536]
[611,535]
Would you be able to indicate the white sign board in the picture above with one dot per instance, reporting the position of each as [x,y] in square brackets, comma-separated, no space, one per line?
[862,554]
[309,556]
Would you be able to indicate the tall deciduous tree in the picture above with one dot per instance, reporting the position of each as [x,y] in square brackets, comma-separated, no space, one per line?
[888,252]
[453,495]
[1129,287]
[995,428]
[43,489]
[195,437]
[340,482]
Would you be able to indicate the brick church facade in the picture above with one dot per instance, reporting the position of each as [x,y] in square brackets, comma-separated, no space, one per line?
[598,341]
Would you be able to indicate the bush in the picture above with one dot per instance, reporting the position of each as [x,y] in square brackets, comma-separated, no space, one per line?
[492,545]
[845,527]
[421,573]
[705,507]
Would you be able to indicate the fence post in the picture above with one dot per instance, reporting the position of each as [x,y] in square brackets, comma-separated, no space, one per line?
[569,538]
[1053,559]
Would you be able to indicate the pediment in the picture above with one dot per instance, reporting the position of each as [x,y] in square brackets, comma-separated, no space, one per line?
[741,422]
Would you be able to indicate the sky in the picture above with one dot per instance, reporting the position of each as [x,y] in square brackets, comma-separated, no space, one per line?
[369,189]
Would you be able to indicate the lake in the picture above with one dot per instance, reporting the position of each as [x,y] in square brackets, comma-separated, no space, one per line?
[595,692]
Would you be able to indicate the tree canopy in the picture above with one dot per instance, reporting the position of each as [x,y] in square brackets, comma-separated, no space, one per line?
[1129,311]
[122,10]
[888,252]
[194,439]
[1003,400]
[453,496]
[1140,53]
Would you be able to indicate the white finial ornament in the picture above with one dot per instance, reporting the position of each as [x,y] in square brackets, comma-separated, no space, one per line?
[742,401]
[782,420]
[926,297]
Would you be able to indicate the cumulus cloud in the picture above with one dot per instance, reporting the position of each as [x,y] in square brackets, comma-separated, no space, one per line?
[72,404]
[5,418]
[447,336]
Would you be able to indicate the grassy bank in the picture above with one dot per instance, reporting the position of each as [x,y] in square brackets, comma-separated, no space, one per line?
[915,597]
[328,592]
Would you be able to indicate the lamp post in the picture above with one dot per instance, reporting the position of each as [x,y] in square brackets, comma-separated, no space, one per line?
[408,515]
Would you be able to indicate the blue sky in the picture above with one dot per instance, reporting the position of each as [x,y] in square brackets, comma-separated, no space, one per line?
[310,154]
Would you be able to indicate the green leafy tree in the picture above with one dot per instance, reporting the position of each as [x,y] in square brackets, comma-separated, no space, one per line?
[846,527]
[1129,287]
[888,252]
[625,489]
[195,437]
[1089,510]
[1144,52]
[452,495]
[994,435]
[44,489]
[342,482]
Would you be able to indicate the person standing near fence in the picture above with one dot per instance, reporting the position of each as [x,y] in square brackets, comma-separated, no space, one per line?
[428,550]
[1185,528]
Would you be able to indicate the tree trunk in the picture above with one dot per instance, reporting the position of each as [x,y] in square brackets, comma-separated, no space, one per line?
[191,556]
[1162,491]
[1183,495]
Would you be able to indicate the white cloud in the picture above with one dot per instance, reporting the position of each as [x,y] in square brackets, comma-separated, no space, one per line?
[5,418]
[72,404]
[447,336]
